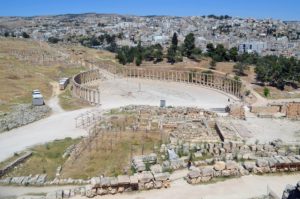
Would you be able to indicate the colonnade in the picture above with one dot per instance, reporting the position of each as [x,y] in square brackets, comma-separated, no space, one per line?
[82,91]
[216,81]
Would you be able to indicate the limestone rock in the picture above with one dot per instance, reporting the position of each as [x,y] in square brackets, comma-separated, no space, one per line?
[123,179]
[207,171]
[162,176]
[193,174]
[231,165]
[219,166]
[157,168]
[249,165]
[262,163]
[145,177]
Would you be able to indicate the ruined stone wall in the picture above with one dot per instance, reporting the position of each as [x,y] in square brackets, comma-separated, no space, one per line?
[236,111]
[265,109]
[290,110]
[11,165]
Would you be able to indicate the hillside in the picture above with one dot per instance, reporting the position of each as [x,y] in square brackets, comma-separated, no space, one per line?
[26,65]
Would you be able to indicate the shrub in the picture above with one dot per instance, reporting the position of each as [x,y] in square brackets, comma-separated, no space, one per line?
[266,92]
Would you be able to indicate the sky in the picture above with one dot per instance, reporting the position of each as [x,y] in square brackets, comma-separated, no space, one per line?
[276,9]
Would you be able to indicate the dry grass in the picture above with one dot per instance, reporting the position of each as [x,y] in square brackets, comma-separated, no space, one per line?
[69,103]
[45,159]
[20,76]
[276,93]
[109,154]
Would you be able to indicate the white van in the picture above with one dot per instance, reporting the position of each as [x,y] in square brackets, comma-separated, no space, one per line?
[37,99]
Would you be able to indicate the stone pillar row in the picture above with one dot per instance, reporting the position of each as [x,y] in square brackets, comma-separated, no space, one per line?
[83,92]
[209,80]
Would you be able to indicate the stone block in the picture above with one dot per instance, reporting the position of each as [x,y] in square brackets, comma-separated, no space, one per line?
[262,163]
[206,179]
[158,184]
[123,179]
[219,166]
[162,176]
[134,180]
[249,166]
[145,177]
[194,174]
[105,182]
[230,165]
[207,171]
[226,173]
[95,182]
[157,168]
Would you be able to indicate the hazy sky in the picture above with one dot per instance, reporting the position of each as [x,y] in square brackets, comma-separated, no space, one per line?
[278,9]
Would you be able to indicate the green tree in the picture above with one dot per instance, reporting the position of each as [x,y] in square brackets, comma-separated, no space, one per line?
[240,68]
[148,53]
[221,53]
[139,54]
[139,59]
[6,34]
[213,64]
[171,54]
[210,49]
[158,53]
[233,54]
[122,55]
[196,54]
[175,40]
[25,35]
[53,40]
[189,45]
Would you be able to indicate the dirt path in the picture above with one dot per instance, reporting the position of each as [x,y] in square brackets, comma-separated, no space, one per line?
[53,102]
[56,126]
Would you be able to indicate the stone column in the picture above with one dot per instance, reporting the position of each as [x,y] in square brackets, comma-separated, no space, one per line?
[98,96]
[94,96]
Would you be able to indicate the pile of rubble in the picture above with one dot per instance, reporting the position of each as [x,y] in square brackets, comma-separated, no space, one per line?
[21,115]
[68,181]
[38,180]
[112,185]
[207,173]
[41,180]
[168,112]
[204,154]
[201,130]
[139,162]
[230,150]
[232,168]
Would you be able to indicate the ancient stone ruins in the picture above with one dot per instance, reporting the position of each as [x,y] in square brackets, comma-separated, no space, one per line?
[213,145]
